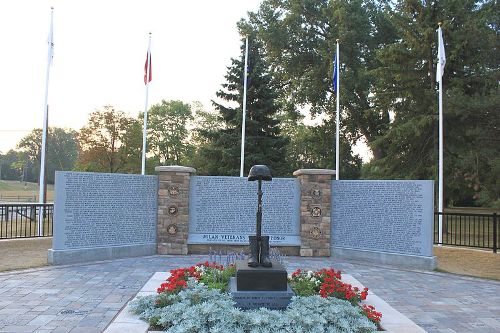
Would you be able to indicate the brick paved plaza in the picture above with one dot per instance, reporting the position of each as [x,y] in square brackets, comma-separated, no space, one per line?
[85,298]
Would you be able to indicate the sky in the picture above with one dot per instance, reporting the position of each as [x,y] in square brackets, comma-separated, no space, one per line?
[99,54]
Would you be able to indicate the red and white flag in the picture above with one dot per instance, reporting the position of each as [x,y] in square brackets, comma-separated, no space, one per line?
[148,74]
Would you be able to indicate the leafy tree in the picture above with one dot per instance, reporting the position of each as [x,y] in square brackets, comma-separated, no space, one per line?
[406,87]
[299,40]
[313,147]
[107,144]
[202,120]
[9,163]
[167,132]
[388,89]
[131,148]
[264,143]
[61,153]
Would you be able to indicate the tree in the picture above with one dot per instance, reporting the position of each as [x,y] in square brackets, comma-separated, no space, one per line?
[388,90]
[131,148]
[263,141]
[202,120]
[167,131]
[313,147]
[299,39]
[61,154]
[406,87]
[107,144]
[9,166]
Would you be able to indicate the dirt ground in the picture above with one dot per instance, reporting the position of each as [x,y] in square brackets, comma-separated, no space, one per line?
[24,253]
[466,261]
[28,253]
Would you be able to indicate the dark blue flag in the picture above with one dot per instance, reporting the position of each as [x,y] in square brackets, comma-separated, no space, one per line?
[335,73]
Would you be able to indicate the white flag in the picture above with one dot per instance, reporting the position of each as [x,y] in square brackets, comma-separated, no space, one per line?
[441,56]
[50,39]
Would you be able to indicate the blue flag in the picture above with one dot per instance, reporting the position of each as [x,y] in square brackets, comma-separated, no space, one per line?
[335,73]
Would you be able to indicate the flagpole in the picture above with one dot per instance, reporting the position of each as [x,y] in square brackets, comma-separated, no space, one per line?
[242,157]
[41,197]
[337,117]
[440,195]
[144,135]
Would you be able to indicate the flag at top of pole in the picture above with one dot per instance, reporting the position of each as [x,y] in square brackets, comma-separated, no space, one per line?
[441,56]
[50,38]
[148,76]
[335,70]
[336,89]
[439,77]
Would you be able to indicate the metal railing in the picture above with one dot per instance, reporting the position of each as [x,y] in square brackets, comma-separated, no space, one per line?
[23,220]
[470,230]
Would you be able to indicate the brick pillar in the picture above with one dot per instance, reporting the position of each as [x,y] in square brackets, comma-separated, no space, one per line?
[315,211]
[173,209]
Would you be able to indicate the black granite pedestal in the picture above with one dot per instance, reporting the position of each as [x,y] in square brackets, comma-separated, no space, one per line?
[256,287]
[260,278]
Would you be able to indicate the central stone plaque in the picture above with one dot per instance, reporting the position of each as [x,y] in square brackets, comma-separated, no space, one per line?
[222,210]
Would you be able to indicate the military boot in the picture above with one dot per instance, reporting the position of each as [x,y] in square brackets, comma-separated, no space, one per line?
[264,252]
[253,261]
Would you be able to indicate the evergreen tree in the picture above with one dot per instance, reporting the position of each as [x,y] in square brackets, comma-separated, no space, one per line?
[263,141]
[300,40]
[407,88]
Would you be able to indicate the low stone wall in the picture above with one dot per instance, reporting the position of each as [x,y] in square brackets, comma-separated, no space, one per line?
[198,213]
[105,216]
[387,222]
[100,216]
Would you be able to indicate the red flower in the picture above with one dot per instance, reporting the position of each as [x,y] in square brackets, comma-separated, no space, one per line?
[178,277]
[372,314]
[296,273]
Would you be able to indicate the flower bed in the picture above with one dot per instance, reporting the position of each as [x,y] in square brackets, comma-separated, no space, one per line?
[195,299]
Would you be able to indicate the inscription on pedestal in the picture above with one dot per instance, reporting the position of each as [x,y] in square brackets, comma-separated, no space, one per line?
[260,299]
[222,210]
[103,210]
[389,216]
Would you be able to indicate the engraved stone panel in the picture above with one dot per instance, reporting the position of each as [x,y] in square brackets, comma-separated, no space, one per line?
[389,216]
[103,210]
[222,210]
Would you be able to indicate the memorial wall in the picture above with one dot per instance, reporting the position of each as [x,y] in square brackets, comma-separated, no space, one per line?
[385,216]
[222,210]
[100,216]
[99,210]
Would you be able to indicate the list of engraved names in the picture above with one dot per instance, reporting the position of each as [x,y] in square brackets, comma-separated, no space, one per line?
[108,209]
[228,205]
[385,216]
